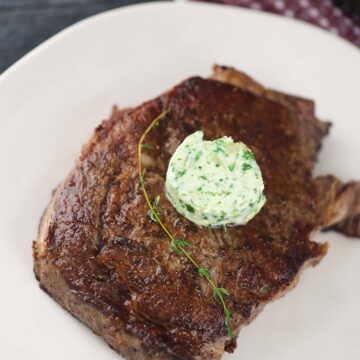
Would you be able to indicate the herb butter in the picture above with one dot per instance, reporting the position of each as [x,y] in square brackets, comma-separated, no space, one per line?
[214,183]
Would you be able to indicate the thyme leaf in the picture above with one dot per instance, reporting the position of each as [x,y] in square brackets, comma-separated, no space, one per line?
[228,317]
[182,242]
[154,212]
[147,146]
[177,244]
[220,293]
[204,273]
[142,181]
[156,201]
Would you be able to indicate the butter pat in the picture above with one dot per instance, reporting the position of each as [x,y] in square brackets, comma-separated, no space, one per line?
[214,183]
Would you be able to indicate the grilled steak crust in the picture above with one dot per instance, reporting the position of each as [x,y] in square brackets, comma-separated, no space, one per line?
[99,255]
[343,214]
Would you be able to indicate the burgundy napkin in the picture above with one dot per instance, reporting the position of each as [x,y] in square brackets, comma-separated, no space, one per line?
[322,13]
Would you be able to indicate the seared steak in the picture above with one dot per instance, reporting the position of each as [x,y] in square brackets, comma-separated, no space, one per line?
[102,258]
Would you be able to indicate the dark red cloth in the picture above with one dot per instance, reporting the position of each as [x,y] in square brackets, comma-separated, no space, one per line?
[322,13]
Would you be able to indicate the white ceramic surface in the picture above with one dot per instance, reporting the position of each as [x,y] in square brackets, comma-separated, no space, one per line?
[52,99]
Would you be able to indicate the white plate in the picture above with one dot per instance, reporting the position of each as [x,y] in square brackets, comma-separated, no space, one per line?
[52,99]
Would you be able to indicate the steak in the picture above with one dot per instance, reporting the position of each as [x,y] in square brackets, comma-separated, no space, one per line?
[102,258]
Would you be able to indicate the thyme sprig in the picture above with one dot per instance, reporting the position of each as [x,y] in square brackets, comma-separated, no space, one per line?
[179,245]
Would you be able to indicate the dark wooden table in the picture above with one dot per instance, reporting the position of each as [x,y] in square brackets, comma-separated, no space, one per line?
[26,23]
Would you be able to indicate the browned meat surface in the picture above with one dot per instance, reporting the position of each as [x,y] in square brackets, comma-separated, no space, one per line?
[99,255]
[344,211]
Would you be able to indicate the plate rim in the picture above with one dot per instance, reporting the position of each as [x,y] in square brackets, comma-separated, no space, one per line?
[52,40]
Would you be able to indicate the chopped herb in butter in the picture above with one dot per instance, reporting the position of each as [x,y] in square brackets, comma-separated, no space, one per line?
[214,183]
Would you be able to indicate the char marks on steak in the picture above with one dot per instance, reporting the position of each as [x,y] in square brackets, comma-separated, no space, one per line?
[99,255]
